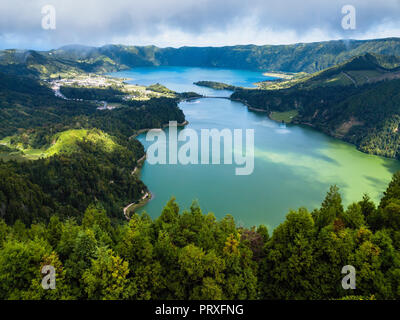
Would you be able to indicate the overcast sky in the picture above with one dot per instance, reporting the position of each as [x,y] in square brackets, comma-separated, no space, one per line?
[192,22]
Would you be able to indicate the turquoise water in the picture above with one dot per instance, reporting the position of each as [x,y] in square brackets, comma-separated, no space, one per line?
[180,79]
[294,166]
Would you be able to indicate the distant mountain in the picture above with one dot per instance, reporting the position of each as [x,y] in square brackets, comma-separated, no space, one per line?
[353,94]
[53,63]
[308,57]
[366,68]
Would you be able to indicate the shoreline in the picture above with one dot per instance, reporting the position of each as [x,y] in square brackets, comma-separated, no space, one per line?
[280,75]
[311,126]
[139,163]
[333,136]
[248,106]
[190,99]
[142,202]
[148,195]
[145,199]
[307,124]
[140,131]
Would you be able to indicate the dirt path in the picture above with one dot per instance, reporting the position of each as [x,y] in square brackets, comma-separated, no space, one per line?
[147,194]
[350,78]
[143,200]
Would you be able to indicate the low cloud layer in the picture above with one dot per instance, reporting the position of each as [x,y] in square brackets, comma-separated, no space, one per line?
[192,22]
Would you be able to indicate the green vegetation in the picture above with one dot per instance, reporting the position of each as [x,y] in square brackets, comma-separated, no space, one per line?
[63,142]
[70,61]
[67,171]
[26,103]
[7,153]
[107,94]
[77,168]
[357,101]
[30,110]
[52,64]
[215,85]
[305,57]
[283,116]
[189,95]
[191,255]
[81,154]
[160,88]
[285,75]
[357,71]
[116,93]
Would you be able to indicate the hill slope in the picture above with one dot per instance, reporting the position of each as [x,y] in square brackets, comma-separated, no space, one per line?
[357,101]
[359,70]
[308,57]
[80,167]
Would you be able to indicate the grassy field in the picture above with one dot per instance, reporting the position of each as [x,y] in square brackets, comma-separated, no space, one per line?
[284,116]
[7,156]
[65,141]
[364,76]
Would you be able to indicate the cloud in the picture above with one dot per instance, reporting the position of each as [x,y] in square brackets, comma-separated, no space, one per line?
[192,22]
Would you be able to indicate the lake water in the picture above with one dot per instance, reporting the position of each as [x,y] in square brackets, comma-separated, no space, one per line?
[294,166]
[180,79]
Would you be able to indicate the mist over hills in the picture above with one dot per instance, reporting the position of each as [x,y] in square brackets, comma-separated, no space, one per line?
[69,172]
[307,57]
[350,91]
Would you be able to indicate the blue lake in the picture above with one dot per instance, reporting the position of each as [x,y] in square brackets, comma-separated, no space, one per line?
[293,167]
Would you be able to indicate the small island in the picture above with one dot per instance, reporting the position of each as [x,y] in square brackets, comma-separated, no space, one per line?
[215,85]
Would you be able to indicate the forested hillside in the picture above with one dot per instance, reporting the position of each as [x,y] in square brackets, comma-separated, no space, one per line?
[357,101]
[57,156]
[26,103]
[67,170]
[191,255]
[301,57]
[78,168]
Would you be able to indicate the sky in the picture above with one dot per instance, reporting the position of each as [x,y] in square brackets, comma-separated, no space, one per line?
[176,23]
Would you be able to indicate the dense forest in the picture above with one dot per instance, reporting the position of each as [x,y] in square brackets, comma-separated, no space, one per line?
[108,94]
[191,255]
[25,103]
[365,113]
[57,156]
[68,181]
[301,57]
[215,85]
[65,208]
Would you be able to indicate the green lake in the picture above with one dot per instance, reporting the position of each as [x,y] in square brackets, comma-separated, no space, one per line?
[293,166]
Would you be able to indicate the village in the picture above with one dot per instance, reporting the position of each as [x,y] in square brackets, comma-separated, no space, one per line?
[93,81]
